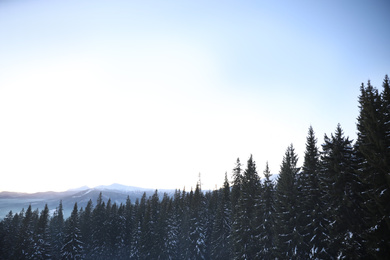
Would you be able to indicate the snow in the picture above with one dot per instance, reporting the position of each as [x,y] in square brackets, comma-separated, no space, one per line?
[120,187]
[88,191]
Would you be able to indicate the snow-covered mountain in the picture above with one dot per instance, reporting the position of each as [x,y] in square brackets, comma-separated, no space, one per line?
[120,187]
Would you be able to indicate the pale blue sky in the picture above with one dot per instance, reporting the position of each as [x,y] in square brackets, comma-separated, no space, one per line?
[150,93]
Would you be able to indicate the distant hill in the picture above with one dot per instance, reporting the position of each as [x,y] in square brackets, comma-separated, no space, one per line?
[118,193]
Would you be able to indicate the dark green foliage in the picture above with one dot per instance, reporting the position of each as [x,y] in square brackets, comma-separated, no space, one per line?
[73,246]
[8,228]
[266,215]
[57,231]
[42,242]
[86,228]
[286,204]
[312,222]
[197,232]
[340,199]
[25,236]
[245,232]
[220,245]
[373,154]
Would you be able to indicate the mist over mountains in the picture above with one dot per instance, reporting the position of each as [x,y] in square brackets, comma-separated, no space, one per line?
[118,193]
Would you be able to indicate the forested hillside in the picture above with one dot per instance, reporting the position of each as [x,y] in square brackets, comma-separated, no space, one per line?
[335,205]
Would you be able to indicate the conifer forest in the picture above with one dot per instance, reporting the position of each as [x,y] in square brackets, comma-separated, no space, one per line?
[333,205]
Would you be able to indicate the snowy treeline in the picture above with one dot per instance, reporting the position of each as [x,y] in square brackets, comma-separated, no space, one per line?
[336,205]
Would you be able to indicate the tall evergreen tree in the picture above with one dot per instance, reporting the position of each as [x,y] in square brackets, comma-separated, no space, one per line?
[42,241]
[340,198]
[99,235]
[73,245]
[236,186]
[246,246]
[57,230]
[312,220]
[197,222]
[86,228]
[25,238]
[235,236]
[174,222]
[287,214]
[139,208]
[9,229]
[266,236]
[129,225]
[167,243]
[373,154]
[221,248]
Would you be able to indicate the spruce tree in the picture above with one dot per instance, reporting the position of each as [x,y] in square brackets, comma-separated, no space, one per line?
[211,200]
[340,198]
[220,247]
[86,228]
[136,230]
[167,243]
[25,237]
[73,245]
[235,235]
[312,219]
[266,236]
[287,214]
[129,225]
[373,153]
[236,186]
[174,222]
[184,238]
[246,245]
[57,230]
[197,229]
[9,229]
[99,235]
[42,241]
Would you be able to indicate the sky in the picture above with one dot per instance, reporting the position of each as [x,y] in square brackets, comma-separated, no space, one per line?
[154,93]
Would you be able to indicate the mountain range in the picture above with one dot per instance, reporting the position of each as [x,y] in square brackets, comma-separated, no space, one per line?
[118,193]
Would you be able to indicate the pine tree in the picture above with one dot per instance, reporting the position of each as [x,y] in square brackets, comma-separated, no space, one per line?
[149,241]
[9,229]
[312,220]
[184,235]
[266,236]
[197,222]
[165,249]
[57,231]
[136,231]
[114,227]
[129,226]
[86,229]
[145,246]
[236,186]
[211,200]
[174,221]
[73,245]
[373,153]
[42,241]
[287,214]
[221,230]
[99,235]
[340,198]
[235,235]
[25,237]
[118,232]
[246,245]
